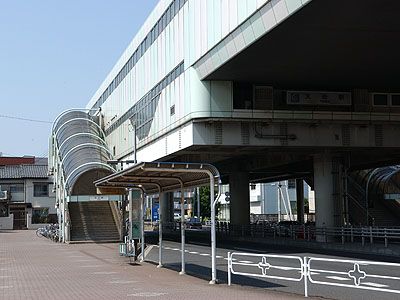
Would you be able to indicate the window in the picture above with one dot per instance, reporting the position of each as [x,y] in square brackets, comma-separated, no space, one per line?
[252,186]
[41,189]
[40,215]
[291,184]
[380,99]
[172,110]
[395,99]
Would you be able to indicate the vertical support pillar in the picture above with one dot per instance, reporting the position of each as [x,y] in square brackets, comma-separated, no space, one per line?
[182,232]
[213,234]
[160,221]
[167,207]
[323,187]
[142,217]
[300,200]
[130,200]
[198,203]
[239,198]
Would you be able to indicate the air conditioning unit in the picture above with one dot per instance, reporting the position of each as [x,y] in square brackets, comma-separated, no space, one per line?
[263,97]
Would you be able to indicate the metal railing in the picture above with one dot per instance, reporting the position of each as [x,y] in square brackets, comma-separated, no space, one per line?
[354,274]
[346,234]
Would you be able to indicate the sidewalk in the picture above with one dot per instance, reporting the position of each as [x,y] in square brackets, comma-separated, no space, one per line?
[36,268]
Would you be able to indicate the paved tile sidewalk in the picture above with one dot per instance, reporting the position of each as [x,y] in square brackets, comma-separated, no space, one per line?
[36,268]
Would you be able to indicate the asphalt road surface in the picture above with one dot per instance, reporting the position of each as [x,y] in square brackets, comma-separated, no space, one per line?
[198,262]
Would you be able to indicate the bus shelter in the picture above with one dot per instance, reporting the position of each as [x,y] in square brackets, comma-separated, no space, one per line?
[161,177]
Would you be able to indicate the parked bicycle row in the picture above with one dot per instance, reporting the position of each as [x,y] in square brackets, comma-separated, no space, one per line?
[50,231]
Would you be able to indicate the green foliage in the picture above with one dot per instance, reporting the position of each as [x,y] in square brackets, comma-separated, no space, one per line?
[205,207]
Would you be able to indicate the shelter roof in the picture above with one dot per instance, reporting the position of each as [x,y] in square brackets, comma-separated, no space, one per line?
[159,177]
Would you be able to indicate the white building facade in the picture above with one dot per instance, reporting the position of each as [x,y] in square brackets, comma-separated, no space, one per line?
[155,89]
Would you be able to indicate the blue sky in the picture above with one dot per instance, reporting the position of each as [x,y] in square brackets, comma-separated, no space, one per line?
[53,56]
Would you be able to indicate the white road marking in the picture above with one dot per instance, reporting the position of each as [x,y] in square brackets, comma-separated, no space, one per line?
[175,249]
[5,287]
[219,256]
[6,276]
[374,284]
[245,262]
[147,294]
[338,278]
[193,252]
[205,254]
[4,269]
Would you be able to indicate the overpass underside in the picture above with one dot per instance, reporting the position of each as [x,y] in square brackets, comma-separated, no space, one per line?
[337,46]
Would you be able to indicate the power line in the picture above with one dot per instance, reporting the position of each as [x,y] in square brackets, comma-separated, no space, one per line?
[25,119]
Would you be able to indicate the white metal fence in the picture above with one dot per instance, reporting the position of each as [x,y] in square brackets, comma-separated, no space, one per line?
[348,234]
[363,275]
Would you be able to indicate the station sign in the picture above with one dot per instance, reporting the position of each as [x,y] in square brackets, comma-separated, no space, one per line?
[318,98]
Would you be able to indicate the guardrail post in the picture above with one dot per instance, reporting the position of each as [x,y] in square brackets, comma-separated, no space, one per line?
[308,237]
[229,268]
[342,236]
[305,275]
[386,239]
[371,239]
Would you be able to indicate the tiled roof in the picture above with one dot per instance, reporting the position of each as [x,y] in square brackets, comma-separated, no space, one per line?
[23,171]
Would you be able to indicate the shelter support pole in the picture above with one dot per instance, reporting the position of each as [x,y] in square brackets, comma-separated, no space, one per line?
[213,235]
[160,220]
[142,225]
[130,199]
[182,231]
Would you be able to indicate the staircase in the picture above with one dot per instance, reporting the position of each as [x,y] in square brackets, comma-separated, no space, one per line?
[92,221]
[380,213]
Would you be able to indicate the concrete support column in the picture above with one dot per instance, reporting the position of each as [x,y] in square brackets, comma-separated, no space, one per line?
[300,200]
[324,205]
[239,198]
[167,207]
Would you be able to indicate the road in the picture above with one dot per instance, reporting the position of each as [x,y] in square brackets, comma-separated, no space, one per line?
[198,262]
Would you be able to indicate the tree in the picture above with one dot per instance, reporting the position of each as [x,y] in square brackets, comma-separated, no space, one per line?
[205,206]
